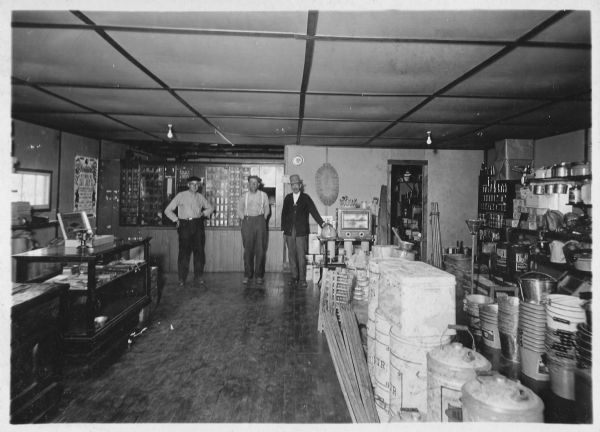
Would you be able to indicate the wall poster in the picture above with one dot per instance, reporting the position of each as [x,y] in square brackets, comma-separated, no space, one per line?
[86,184]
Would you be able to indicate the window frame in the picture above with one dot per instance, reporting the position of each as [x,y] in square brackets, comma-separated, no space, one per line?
[49,174]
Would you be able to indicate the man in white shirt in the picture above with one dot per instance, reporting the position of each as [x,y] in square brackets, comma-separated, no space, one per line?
[192,207]
[253,210]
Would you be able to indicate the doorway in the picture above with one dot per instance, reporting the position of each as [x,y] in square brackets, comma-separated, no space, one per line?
[408,203]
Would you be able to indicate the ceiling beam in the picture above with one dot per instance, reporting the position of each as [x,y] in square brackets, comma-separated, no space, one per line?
[503,120]
[288,92]
[148,72]
[311,29]
[291,35]
[90,110]
[478,68]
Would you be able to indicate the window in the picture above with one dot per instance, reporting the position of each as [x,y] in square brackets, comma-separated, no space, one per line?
[33,186]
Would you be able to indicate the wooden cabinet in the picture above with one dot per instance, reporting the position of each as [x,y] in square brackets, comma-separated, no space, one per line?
[107,290]
[37,321]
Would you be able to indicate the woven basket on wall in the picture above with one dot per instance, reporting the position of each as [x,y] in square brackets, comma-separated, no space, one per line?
[328,184]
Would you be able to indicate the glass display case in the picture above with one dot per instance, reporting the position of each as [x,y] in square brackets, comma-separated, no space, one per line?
[37,322]
[108,286]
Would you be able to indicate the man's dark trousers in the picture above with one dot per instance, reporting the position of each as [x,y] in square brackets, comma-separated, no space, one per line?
[191,240]
[253,239]
[297,250]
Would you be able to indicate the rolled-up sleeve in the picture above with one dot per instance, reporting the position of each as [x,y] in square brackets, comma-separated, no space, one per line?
[206,206]
[266,205]
[169,211]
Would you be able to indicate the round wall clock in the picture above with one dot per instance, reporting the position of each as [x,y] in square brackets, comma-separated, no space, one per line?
[298,160]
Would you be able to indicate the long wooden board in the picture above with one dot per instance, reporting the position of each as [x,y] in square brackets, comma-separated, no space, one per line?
[383,218]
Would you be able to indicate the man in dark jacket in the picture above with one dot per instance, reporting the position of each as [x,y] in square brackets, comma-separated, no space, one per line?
[294,222]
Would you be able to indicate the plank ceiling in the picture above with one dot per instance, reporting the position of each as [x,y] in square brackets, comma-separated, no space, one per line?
[248,83]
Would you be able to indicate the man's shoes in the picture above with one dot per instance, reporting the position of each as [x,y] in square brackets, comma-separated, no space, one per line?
[292,282]
[245,281]
[259,281]
[199,281]
[181,283]
[303,284]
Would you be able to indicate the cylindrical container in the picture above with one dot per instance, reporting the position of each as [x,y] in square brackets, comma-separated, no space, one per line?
[562,379]
[371,349]
[408,370]
[500,259]
[488,317]
[508,324]
[382,402]
[584,407]
[364,245]
[560,188]
[518,260]
[373,289]
[534,287]
[382,350]
[580,169]
[575,194]
[331,248]
[586,192]
[561,170]
[471,307]
[533,365]
[495,398]
[348,247]
[448,368]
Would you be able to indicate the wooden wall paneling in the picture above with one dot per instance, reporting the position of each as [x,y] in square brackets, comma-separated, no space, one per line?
[223,249]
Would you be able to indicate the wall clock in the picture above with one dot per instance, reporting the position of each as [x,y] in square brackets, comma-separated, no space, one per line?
[298,160]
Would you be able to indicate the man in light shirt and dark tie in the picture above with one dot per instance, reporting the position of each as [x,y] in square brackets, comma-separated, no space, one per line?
[253,210]
[192,207]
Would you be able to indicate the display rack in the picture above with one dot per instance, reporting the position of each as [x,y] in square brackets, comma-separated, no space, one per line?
[151,194]
[495,203]
[147,188]
[129,195]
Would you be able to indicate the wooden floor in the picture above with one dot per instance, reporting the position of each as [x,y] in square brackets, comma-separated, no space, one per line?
[225,353]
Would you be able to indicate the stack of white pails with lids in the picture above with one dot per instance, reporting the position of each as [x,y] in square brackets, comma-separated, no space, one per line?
[416,302]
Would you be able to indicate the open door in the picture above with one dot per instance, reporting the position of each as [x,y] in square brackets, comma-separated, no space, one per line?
[408,203]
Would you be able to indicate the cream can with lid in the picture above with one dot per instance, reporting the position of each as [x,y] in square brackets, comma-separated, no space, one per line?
[448,368]
[495,398]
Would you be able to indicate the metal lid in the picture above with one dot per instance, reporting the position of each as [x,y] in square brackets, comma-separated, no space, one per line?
[456,356]
[501,394]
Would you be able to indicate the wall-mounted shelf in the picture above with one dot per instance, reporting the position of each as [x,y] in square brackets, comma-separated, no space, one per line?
[34,225]
[558,179]
[553,235]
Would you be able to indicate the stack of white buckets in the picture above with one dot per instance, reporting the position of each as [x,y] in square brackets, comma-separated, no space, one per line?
[411,304]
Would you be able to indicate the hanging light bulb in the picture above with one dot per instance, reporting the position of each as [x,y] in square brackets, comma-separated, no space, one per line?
[428,138]
[170,132]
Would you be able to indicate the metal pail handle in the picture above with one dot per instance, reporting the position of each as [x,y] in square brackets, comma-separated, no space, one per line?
[458,327]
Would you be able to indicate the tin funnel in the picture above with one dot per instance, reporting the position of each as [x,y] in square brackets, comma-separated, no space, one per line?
[473,225]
